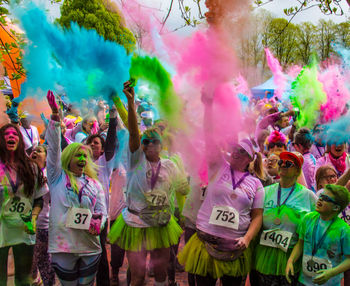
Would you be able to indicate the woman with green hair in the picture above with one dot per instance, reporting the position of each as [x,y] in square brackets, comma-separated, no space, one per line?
[147,224]
[78,207]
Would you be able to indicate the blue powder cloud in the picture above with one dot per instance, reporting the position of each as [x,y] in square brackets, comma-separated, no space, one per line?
[79,60]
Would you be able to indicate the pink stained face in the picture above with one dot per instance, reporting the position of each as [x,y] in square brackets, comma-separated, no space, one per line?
[337,150]
[11,139]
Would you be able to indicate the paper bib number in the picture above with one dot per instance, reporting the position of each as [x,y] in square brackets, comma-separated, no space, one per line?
[203,192]
[310,269]
[345,216]
[157,198]
[225,216]
[276,238]
[17,206]
[78,218]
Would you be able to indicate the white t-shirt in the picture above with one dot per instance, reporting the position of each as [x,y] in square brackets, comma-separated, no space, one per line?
[220,193]
[138,184]
[30,137]
[13,206]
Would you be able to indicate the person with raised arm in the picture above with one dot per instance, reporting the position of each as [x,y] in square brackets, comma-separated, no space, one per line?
[230,215]
[147,223]
[78,207]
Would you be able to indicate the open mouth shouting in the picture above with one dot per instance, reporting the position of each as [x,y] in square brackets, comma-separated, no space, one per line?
[81,164]
[11,144]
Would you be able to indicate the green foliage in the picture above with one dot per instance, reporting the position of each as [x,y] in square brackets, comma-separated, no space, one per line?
[8,49]
[281,40]
[92,14]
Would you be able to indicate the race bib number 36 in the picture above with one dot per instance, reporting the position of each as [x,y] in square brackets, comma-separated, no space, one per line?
[313,264]
[157,198]
[276,238]
[225,216]
[78,218]
[17,206]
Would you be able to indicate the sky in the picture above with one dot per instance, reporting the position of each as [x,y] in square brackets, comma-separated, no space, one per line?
[160,8]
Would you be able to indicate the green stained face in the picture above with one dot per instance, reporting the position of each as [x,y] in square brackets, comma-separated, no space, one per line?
[78,162]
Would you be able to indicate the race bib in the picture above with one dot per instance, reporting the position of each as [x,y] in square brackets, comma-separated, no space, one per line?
[78,218]
[345,216]
[276,238]
[157,198]
[203,192]
[225,216]
[17,206]
[313,264]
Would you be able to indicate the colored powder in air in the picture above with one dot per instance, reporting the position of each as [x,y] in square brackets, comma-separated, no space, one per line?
[338,95]
[337,132]
[279,77]
[78,60]
[152,71]
[307,96]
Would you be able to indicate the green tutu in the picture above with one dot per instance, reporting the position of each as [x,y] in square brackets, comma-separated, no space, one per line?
[272,261]
[147,238]
[196,260]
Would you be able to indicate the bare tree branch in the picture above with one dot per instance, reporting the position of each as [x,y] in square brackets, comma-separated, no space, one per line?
[167,15]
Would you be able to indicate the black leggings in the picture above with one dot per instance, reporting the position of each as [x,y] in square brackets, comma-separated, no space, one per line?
[226,280]
[23,256]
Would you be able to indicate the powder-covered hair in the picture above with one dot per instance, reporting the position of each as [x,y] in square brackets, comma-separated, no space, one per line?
[90,169]
[303,137]
[341,195]
[152,132]
[277,136]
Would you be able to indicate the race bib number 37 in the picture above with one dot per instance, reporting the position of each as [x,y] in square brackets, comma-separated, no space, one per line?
[225,216]
[78,218]
[276,238]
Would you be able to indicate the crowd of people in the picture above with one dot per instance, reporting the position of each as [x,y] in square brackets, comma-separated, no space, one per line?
[275,209]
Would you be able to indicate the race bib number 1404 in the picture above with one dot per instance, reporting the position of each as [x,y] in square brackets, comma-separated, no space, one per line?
[276,238]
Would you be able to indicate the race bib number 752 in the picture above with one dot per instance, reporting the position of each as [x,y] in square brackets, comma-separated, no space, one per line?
[157,198]
[225,216]
[78,218]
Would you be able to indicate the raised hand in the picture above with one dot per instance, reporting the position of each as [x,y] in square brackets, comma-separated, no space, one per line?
[52,101]
[129,91]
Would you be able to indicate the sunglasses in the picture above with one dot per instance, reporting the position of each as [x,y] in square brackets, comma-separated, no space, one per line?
[287,163]
[148,141]
[328,199]
[277,144]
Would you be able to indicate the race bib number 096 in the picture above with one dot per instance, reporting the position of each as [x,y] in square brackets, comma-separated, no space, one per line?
[78,218]
[276,238]
[313,264]
[225,216]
